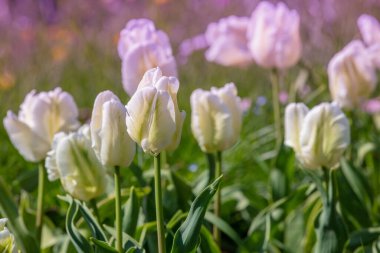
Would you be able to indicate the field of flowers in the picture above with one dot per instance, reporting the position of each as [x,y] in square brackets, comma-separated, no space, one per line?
[189,126]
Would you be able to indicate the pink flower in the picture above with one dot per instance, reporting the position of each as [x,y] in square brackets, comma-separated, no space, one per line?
[372,106]
[228,42]
[369,29]
[274,36]
[142,47]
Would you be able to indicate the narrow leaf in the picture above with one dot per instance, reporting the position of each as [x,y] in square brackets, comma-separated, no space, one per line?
[103,245]
[131,213]
[186,239]
[80,243]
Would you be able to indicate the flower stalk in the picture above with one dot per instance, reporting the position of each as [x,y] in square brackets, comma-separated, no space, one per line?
[40,201]
[119,235]
[218,197]
[158,199]
[275,80]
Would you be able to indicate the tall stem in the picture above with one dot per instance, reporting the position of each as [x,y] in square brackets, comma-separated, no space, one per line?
[218,197]
[275,79]
[119,233]
[40,202]
[159,210]
[211,167]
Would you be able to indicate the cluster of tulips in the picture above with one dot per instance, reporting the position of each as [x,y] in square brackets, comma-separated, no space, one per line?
[47,130]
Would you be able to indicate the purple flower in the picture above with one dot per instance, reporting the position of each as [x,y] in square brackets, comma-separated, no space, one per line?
[228,42]
[274,37]
[142,47]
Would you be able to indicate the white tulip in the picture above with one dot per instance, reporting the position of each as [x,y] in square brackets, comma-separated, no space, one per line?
[352,75]
[274,36]
[74,162]
[216,117]
[7,240]
[110,138]
[319,136]
[41,116]
[153,117]
[142,47]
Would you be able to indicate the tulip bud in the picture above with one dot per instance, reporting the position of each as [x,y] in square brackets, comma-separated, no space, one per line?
[153,117]
[228,42]
[352,75]
[110,138]
[274,36]
[369,28]
[7,241]
[41,116]
[319,136]
[216,117]
[142,47]
[74,162]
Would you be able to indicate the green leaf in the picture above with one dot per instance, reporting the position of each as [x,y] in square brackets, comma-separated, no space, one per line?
[183,190]
[80,243]
[224,227]
[358,183]
[362,238]
[95,228]
[186,239]
[103,246]
[131,213]
[8,209]
[208,244]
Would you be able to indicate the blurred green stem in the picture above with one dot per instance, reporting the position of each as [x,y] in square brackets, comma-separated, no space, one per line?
[275,80]
[40,202]
[211,166]
[159,210]
[218,197]
[119,235]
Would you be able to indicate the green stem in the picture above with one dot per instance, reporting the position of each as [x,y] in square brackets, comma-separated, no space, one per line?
[40,202]
[159,210]
[211,166]
[275,79]
[119,232]
[95,209]
[218,197]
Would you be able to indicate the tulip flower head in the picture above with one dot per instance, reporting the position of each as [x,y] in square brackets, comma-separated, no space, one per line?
[352,75]
[74,162]
[319,136]
[228,42]
[7,241]
[216,117]
[110,138]
[274,36]
[142,47]
[41,116]
[153,119]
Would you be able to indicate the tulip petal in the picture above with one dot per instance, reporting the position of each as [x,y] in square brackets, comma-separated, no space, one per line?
[117,148]
[97,116]
[30,145]
[294,118]
[139,110]
[163,125]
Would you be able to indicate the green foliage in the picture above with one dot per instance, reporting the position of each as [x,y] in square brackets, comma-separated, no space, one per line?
[186,239]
